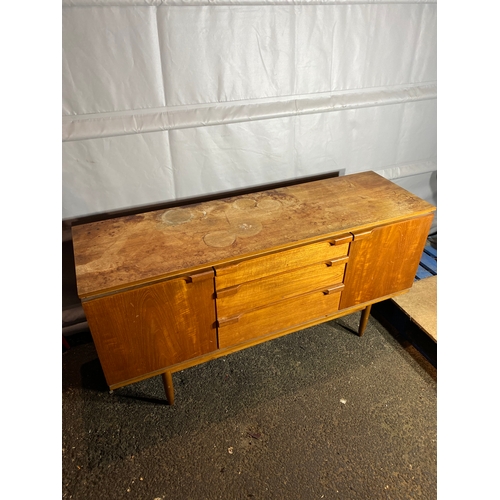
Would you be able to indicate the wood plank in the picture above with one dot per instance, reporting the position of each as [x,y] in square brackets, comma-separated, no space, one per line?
[420,304]
[113,254]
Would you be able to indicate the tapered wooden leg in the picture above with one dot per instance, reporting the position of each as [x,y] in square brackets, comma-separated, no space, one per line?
[364,319]
[169,387]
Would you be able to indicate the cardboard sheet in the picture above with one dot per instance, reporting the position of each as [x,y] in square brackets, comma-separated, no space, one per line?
[420,304]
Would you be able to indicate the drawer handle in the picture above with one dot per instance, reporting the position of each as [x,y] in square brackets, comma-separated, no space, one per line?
[228,321]
[227,292]
[334,289]
[342,260]
[341,240]
[229,268]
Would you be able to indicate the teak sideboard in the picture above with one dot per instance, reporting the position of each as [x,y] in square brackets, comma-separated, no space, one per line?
[169,289]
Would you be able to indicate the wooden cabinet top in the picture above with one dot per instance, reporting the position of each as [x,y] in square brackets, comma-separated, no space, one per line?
[125,251]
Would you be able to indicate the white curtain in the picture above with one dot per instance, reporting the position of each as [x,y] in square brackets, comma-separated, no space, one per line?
[171,99]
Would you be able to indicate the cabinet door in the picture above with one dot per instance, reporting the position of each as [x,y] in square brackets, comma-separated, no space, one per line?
[150,328]
[384,261]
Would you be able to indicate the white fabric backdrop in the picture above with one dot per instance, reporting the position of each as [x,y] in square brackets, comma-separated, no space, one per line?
[170,99]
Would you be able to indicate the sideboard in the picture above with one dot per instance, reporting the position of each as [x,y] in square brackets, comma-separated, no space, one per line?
[168,289]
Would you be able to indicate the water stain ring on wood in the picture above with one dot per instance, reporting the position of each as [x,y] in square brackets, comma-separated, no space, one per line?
[241,229]
[269,204]
[219,239]
[247,228]
[244,203]
[176,216]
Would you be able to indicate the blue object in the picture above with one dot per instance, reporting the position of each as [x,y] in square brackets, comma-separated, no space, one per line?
[431,251]
[422,273]
[428,263]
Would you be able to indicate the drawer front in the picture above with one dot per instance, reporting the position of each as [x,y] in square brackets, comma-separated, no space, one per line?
[279,262]
[279,316]
[247,296]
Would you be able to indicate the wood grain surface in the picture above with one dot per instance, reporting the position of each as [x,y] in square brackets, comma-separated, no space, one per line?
[148,329]
[384,261]
[253,294]
[113,254]
[278,316]
[278,262]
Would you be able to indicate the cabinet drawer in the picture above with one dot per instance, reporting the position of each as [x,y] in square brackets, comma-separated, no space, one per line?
[276,317]
[285,260]
[246,296]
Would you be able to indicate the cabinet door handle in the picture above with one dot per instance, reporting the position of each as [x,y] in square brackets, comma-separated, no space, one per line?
[334,289]
[228,321]
[362,235]
[193,278]
[226,292]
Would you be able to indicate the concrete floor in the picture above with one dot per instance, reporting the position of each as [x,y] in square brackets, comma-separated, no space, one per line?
[318,414]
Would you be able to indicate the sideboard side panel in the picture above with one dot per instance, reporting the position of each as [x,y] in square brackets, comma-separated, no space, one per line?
[384,261]
[149,328]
